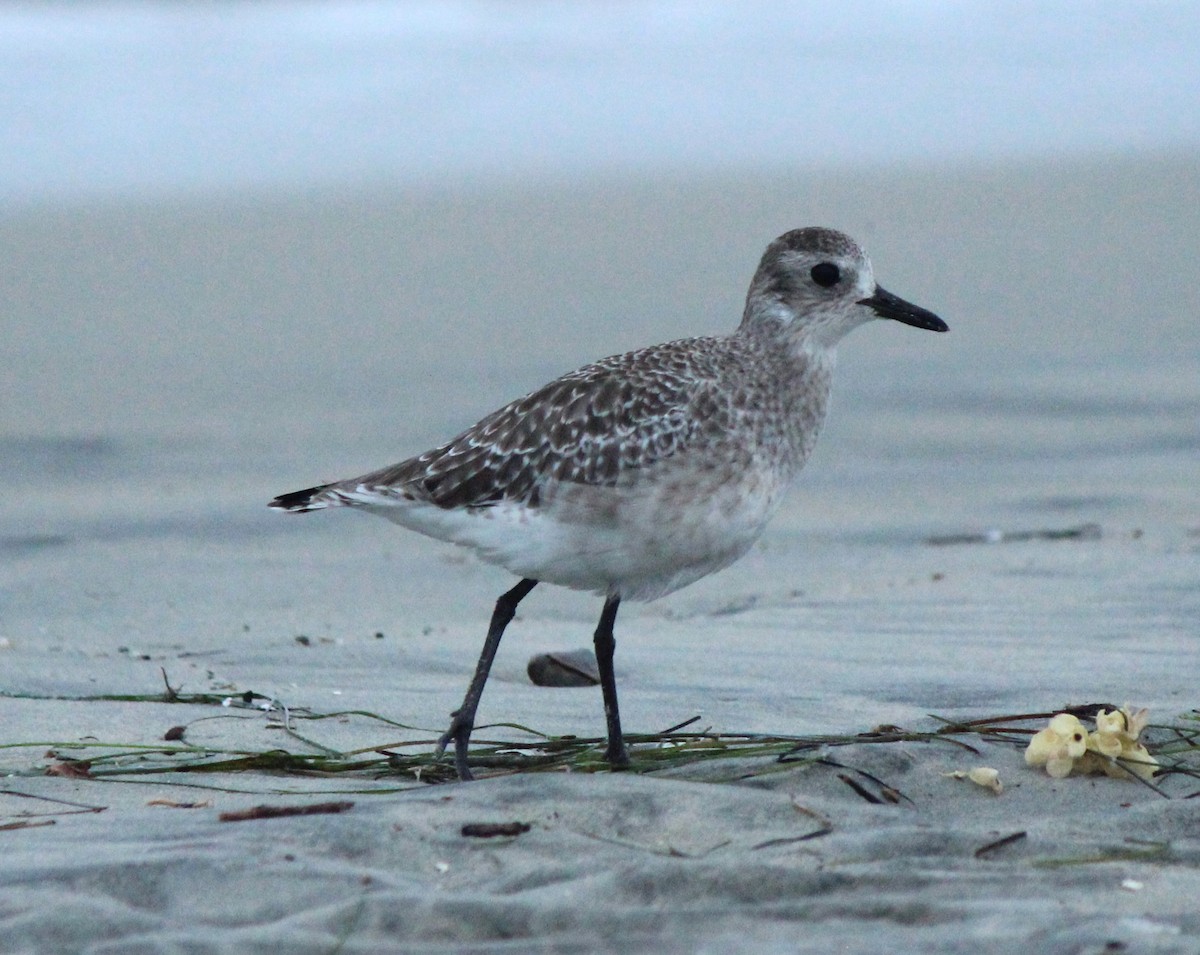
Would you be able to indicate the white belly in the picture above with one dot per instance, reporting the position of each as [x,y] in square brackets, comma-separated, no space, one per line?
[640,541]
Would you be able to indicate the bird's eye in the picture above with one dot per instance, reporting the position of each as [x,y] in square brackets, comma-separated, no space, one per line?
[826,274]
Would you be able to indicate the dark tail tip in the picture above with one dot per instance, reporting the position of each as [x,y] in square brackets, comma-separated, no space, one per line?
[299,501]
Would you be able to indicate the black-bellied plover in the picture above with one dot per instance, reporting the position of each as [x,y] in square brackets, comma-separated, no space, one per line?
[641,473]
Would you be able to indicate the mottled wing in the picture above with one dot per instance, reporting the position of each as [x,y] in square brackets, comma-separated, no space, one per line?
[592,426]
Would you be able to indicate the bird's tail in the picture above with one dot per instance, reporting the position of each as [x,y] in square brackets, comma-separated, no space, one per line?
[310,499]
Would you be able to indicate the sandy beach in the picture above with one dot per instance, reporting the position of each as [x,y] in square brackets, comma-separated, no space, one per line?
[998,521]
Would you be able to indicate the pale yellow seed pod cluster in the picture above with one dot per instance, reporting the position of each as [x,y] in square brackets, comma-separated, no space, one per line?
[1113,748]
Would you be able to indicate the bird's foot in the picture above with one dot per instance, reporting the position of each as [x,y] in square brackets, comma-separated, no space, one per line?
[616,755]
[460,732]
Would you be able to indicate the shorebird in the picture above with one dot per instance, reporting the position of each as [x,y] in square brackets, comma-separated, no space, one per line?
[641,473]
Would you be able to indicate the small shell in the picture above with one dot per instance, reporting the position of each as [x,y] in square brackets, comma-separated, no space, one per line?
[986,777]
[564,668]
[983,776]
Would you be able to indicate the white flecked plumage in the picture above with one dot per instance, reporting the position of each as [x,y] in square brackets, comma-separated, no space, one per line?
[641,473]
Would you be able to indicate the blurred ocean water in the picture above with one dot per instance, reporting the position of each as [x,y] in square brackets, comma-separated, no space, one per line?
[137,99]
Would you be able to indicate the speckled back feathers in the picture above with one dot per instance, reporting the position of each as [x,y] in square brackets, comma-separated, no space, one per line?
[596,426]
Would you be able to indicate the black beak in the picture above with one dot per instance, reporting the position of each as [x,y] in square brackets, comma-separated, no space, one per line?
[887,305]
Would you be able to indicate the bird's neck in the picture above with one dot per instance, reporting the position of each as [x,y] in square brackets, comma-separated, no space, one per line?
[796,372]
[773,330]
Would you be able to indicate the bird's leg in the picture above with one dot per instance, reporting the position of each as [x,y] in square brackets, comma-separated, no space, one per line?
[616,753]
[463,719]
